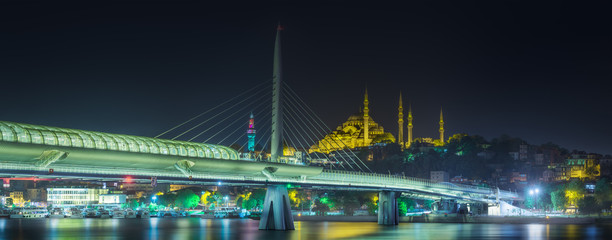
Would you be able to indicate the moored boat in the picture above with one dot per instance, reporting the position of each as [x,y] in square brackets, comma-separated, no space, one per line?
[75,213]
[129,213]
[57,213]
[104,213]
[22,212]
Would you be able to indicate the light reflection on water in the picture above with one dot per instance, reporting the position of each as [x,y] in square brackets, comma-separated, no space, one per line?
[195,228]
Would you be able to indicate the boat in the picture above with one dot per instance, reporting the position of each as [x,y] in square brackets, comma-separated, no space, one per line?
[5,212]
[75,213]
[207,215]
[227,212]
[118,213]
[144,213]
[168,214]
[129,213]
[57,213]
[22,212]
[104,213]
[91,213]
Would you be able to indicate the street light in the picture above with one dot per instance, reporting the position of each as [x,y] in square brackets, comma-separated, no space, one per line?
[154,198]
[535,191]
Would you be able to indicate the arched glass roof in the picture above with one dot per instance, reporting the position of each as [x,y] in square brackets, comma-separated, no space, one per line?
[36,134]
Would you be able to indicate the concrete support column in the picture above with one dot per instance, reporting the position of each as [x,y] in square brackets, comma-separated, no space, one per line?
[388,213]
[276,213]
[446,206]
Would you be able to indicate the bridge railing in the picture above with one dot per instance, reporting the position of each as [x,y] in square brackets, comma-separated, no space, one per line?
[387,179]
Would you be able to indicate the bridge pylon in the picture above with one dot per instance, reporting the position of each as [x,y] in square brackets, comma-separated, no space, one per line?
[276,213]
[388,212]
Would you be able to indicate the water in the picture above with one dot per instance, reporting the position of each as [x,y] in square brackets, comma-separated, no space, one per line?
[195,228]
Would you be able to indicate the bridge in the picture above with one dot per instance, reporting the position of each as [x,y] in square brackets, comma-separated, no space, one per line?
[28,150]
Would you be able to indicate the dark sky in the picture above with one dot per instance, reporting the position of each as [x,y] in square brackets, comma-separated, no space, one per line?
[538,71]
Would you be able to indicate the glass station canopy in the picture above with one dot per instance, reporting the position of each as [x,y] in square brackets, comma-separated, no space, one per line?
[36,134]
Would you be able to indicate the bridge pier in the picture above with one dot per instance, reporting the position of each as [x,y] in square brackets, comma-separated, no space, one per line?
[388,213]
[276,213]
[445,206]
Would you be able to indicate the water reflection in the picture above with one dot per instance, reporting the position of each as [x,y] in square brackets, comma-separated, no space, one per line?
[194,228]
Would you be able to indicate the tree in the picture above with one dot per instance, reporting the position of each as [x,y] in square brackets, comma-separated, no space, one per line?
[588,205]
[404,204]
[372,202]
[320,208]
[167,199]
[204,198]
[214,199]
[186,198]
[558,199]
[603,193]
[574,191]
[133,204]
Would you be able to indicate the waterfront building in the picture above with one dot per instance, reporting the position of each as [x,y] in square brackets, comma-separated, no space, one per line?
[112,199]
[439,176]
[74,196]
[36,194]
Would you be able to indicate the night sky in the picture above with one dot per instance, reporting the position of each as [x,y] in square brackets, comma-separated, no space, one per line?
[538,71]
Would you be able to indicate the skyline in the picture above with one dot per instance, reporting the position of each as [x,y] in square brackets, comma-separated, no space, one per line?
[509,75]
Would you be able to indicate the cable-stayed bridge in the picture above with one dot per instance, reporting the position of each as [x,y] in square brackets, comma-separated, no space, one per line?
[290,128]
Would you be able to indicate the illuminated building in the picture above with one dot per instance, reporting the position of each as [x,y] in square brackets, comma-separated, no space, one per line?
[112,198]
[441,129]
[17,197]
[251,134]
[400,123]
[74,196]
[583,167]
[409,142]
[353,133]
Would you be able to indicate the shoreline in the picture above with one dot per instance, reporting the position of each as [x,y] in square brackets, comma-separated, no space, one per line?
[464,219]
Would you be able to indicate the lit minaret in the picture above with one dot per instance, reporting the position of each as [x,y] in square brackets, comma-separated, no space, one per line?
[277,124]
[409,142]
[400,123]
[251,134]
[366,117]
[441,128]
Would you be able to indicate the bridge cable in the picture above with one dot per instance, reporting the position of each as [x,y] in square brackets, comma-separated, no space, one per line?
[323,138]
[315,115]
[225,110]
[241,135]
[197,116]
[302,127]
[221,121]
[237,127]
[333,139]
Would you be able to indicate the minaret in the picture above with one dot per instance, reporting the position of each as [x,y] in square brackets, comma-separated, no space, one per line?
[400,123]
[409,142]
[366,116]
[441,128]
[277,124]
[251,134]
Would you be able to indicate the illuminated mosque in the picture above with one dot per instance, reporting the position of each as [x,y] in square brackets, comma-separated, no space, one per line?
[353,134]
